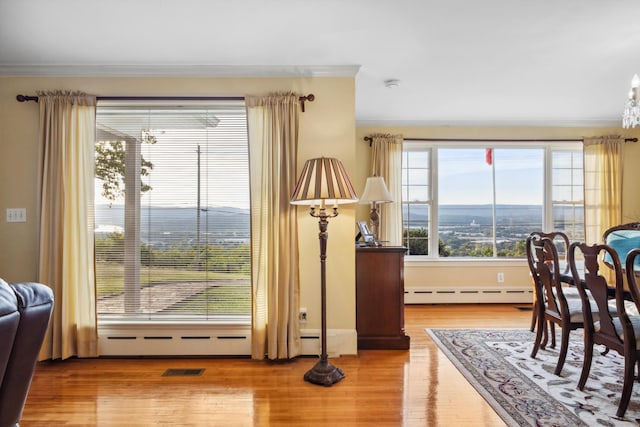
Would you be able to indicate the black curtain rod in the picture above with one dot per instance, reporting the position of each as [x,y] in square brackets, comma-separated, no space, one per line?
[370,140]
[311,97]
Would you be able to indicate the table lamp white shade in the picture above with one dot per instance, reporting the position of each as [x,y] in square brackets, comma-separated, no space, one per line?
[375,191]
[323,181]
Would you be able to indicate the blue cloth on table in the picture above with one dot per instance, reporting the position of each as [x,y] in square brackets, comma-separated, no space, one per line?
[623,242]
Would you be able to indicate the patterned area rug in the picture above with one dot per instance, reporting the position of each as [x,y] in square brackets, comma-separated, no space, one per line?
[525,392]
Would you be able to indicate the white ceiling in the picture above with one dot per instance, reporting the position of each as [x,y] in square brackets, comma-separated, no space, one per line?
[459,62]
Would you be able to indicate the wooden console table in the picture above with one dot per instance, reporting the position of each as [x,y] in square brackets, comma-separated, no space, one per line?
[380,298]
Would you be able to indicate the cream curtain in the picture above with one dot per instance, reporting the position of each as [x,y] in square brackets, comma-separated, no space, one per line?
[273,146]
[386,161]
[602,185]
[66,261]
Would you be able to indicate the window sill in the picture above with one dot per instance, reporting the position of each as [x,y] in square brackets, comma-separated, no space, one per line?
[417,261]
[173,322]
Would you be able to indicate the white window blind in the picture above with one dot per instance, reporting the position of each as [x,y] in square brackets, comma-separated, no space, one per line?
[172,211]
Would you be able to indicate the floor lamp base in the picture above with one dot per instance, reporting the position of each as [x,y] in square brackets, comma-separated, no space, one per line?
[324,373]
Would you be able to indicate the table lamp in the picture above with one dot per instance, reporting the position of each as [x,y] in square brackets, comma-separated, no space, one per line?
[375,192]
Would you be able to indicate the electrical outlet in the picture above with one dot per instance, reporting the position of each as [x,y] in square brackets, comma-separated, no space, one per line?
[302,316]
[500,277]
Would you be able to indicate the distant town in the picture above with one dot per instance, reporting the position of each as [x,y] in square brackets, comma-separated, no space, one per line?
[459,225]
[467,230]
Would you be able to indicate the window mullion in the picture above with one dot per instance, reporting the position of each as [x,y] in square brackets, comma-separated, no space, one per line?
[547,217]
[434,238]
[132,226]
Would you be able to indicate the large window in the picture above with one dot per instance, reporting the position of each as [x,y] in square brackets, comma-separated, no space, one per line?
[172,212]
[481,201]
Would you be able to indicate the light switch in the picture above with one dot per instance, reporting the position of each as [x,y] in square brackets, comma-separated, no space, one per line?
[17,215]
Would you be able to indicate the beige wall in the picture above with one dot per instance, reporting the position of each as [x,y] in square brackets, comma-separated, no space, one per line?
[456,273]
[327,129]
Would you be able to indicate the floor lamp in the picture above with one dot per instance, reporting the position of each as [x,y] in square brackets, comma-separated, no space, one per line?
[323,182]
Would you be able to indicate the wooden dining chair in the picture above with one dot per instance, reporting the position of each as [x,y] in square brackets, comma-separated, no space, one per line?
[553,307]
[561,241]
[613,327]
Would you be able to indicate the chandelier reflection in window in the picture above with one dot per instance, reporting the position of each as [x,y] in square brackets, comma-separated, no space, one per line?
[631,116]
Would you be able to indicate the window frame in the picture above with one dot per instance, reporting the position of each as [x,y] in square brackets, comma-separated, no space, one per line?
[132,227]
[433,145]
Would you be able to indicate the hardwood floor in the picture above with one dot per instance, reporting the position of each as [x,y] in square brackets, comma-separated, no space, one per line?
[419,387]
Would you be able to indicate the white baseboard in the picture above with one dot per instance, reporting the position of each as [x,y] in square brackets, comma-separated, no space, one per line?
[207,340]
[174,340]
[339,342]
[467,294]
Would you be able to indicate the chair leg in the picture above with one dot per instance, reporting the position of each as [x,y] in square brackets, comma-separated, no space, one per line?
[539,333]
[564,346]
[534,315]
[534,306]
[550,330]
[627,387]
[586,364]
[547,326]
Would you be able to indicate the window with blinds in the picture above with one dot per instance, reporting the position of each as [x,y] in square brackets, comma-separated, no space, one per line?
[172,211]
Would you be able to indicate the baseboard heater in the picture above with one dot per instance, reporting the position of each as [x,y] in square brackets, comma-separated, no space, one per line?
[174,340]
[442,295]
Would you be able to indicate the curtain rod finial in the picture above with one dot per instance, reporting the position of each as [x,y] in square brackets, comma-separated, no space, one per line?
[311,97]
[25,98]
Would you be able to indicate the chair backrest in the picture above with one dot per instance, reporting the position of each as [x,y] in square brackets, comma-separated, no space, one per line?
[622,238]
[633,258]
[594,283]
[561,242]
[542,257]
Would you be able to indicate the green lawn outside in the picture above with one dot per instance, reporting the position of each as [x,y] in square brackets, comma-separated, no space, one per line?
[110,276]
[222,300]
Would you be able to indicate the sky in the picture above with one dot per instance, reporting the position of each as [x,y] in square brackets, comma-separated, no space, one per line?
[464,177]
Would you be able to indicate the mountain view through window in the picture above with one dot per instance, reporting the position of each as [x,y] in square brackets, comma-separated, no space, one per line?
[484,202]
[172,212]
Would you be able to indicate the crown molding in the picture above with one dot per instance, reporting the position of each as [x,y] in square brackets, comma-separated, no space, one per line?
[163,70]
[536,123]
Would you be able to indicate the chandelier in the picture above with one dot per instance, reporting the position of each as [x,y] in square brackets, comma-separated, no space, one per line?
[631,116]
